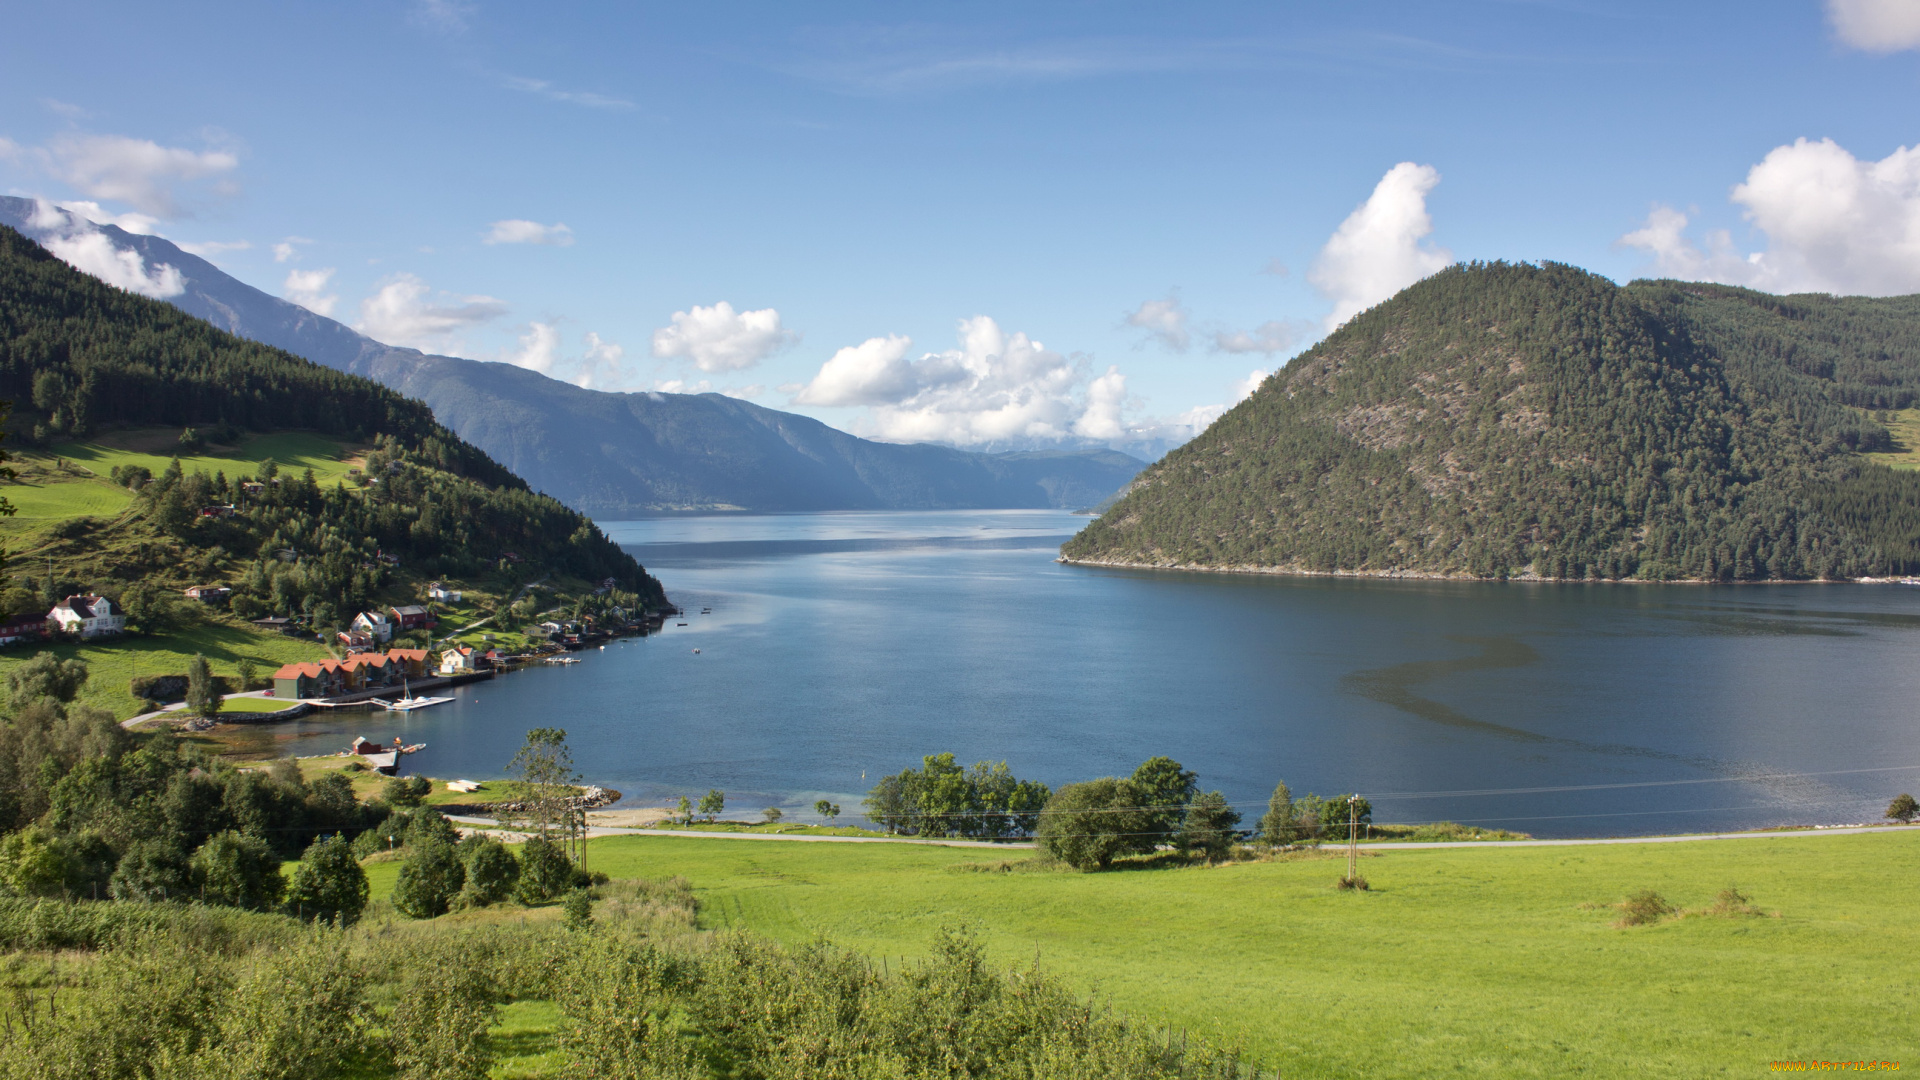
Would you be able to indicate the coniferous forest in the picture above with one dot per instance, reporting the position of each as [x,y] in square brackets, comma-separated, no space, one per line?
[1508,420]
[86,357]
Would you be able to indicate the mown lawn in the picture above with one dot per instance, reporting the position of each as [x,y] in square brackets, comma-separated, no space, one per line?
[1479,962]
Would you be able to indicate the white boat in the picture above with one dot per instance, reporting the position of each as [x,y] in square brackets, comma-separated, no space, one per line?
[407,702]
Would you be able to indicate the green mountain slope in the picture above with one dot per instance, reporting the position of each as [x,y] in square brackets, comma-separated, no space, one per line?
[81,358]
[1505,420]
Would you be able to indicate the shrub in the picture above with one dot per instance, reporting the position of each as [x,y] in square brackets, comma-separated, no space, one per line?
[1090,824]
[405,791]
[492,870]
[1732,904]
[1645,906]
[150,871]
[1903,809]
[444,1006]
[579,909]
[239,870]
[545,871]
[1352,883]
[430,877]
[314,1032]
[329,883]
[772,814]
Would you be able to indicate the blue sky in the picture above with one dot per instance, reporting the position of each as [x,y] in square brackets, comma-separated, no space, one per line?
[971,199]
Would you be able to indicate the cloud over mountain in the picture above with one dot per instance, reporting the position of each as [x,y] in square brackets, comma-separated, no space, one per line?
[719,338]
[1833,222]
[404,311]
[1380,248]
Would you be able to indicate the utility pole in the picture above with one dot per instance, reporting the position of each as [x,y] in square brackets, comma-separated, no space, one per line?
[1353,834]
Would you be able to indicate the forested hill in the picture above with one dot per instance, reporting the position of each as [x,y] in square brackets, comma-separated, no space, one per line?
[79,357]
[1501,420]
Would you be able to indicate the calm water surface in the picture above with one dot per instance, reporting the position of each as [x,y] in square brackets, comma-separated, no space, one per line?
[843,646]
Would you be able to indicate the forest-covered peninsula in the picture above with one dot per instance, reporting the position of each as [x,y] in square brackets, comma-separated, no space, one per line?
[1503,420]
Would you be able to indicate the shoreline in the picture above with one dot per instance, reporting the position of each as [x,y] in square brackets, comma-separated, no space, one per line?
[1433,575]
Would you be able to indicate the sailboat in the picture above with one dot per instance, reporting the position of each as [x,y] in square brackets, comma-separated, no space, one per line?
[407,702]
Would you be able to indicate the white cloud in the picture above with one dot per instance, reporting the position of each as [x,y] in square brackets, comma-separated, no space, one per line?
[516,231]
[65,109]
[449,16]
[545,89]
[1833,222]
[403,311]
[136,223]
[289,249]
[81,244]
[1244,388]
[995,388]
[1880,26]
[539,348]
[212,249]
[308,288]
[874,372]
[1164,320]
[718,338]
[1273,336]
[139,172]
[1378,250]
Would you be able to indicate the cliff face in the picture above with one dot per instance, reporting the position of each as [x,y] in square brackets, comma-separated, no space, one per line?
[1510,420]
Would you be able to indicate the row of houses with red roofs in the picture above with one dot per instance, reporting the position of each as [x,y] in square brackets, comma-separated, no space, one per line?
[361,671]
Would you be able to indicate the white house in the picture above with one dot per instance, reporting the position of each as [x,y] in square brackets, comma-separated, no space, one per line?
[457,660]
[437,591]
[375,625]
[88,616]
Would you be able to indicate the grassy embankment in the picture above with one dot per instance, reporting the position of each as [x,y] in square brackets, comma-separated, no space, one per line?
[1476,962]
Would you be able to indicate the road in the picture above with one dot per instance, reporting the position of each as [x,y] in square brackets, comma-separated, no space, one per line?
[608,830]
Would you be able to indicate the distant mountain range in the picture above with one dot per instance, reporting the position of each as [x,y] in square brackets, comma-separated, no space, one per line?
[612,455]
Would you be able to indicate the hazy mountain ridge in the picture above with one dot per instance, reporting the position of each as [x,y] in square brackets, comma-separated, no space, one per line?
[617,454]
[1502,420]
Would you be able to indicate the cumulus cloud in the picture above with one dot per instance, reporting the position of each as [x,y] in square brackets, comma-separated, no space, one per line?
[1880,26]
[139,172]
[719,338]
[405,311]
[1833,223]
[874,372]
[597,367]
[517,231]
[1273,336]
[1164,320]
[308,288]
[1380,248]
[288,250]
[995,387]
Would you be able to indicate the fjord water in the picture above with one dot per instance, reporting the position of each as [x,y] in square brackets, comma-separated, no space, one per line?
[844,646]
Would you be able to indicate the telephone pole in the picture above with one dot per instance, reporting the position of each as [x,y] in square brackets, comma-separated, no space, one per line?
[1353,834]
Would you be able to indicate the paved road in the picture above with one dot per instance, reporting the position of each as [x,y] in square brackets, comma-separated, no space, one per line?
[607,830]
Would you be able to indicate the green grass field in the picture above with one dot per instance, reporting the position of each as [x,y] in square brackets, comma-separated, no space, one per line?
[291,450]
[113,662]
[1479,962]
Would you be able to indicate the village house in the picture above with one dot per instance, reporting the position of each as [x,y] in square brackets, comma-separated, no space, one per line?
[87,616]
[357,640]
[23,628]
[362,671]
[375,625]
[413,617]
[459,660]
[209,594]
[437,591]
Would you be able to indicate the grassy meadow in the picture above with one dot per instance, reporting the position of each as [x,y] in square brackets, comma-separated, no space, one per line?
[113,662]
[1493,961]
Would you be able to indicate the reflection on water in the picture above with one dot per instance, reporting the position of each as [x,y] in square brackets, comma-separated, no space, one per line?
[844,646]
